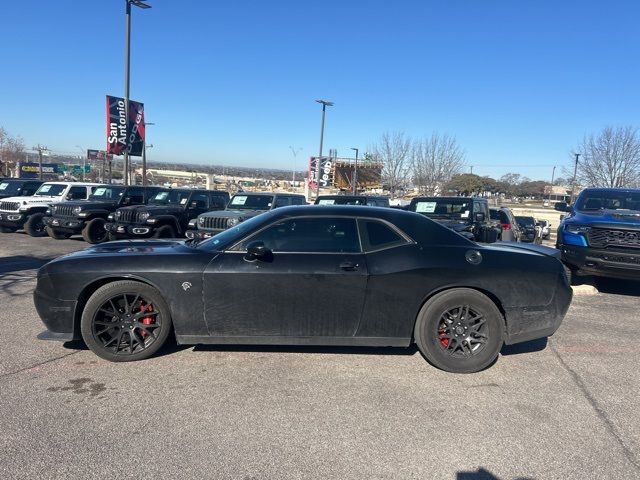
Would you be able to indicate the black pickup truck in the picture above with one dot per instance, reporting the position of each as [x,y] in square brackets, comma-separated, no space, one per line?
[89,217]
[469,216]
[166,215]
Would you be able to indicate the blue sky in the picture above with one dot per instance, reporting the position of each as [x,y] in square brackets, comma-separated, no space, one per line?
[517,82]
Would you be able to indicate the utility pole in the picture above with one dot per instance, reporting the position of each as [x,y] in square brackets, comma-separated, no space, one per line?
[471,169]
[295,152]
[324,104]
[354,183]
[144,154]
[573,182]
[40,149]
[553,175]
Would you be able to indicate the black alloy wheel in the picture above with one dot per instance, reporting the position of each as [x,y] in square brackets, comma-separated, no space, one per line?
[94,231]
[460,330]
[34,225]
[125,321]
[58,235]
[165,231]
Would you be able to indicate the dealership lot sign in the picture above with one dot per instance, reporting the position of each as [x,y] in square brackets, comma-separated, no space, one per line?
[122,135]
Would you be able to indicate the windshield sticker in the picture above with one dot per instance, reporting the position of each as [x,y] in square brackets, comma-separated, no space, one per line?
[162,196]
[45,188]
[99,192]
[465,214]
[239,200]
[426,207]
[183,201]
[3,186]
[326,201]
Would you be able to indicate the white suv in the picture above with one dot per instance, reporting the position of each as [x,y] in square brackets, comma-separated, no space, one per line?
[27,212]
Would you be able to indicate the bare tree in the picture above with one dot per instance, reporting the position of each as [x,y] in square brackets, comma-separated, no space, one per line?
[611,158]
[11,151]
[393,151]
[434,160]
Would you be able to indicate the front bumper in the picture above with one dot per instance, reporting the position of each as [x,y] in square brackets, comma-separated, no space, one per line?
[123,230]
[69,225]
[623,264]
[201,234]
[57,315]
[12,219]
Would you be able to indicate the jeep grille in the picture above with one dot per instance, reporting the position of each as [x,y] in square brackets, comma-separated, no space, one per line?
[63,210]
[213,223]
[9,206]
[128,216]
[604,237]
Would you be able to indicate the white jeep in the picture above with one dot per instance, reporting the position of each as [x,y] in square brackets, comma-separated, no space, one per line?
[27,212]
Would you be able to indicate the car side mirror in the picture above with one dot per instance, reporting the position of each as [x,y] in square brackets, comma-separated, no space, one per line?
[479,217]
[258,251]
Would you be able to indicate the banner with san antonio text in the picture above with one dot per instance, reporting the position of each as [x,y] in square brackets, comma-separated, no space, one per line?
[123,135]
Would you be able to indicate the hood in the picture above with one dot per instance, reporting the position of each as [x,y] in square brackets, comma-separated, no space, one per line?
[155,209]
[233,213]
[618,217]
[524,247]
[131,247]
[90,203]
[33,199]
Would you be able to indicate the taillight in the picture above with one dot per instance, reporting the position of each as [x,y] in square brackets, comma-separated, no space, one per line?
[506,226]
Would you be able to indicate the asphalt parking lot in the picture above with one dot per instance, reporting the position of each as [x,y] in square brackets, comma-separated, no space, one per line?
[565,408]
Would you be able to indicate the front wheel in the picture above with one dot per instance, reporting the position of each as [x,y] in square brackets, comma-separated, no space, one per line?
[125,321]
[94,231]
[165,231]
[34,225]
[58,235]
[460,330]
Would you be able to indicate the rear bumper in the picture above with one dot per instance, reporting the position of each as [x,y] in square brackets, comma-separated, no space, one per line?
[69,225]
[603,262]
[530,323]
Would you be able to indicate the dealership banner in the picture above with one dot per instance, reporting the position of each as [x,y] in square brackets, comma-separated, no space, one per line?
[99,155]
[326,172]
[123,135]
[32,170]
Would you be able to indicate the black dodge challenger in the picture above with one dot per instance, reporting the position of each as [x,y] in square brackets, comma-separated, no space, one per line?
[309,275]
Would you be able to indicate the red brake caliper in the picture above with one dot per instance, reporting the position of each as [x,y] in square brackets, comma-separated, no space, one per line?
[145,320]
[442,333]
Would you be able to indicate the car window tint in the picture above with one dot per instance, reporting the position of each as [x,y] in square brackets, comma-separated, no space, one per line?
[218,201]
[77,193]
[317,235]
[199,200]
[377,235]
[282,202]
[135,194]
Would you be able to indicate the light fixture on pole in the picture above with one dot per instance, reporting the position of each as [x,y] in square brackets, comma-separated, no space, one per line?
[127,61]
[324,104]
[355,173]
[295,152]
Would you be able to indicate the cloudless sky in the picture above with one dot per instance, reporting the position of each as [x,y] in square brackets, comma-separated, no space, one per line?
[517,82]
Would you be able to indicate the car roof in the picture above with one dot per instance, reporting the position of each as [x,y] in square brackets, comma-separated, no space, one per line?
[270,193]
[449,197]
[610,190]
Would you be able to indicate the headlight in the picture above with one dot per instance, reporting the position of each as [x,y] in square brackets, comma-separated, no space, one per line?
[48,212]
[201,220]
[118,213]
[573,228]
[143,216]
[232,222]
[77,210]
[192,223]
[110,216]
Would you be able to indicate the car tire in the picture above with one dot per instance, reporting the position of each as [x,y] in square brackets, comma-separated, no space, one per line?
[57,234]
[165,231]
[7,229]
[457,340]
[131,333]
[34,225]
[94,231]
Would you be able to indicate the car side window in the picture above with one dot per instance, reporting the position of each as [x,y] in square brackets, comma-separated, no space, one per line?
[77,193]
[309,235]
[135,194]
[199,200]
[282,202]
[218,202]
[377,235]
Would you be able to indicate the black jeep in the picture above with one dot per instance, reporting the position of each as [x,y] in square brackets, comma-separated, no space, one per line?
[469,216]
[18,187]
[166,215]
[241,207]
[89,217]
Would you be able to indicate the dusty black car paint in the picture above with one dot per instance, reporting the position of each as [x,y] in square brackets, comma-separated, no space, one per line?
[216,296]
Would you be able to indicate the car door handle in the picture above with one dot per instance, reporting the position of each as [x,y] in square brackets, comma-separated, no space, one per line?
[349,266]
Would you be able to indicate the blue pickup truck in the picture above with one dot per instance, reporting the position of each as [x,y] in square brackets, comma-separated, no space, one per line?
[601,234]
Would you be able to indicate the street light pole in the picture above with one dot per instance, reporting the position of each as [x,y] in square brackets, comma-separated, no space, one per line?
[573,182]
[325,104]
[355,174]
[553,175]
[295,152]
[144,154]
[127,62]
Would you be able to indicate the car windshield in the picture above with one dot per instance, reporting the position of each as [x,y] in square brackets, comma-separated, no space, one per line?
[107,193]
[592,201]
[341,201]
[526,221]
[171,197]
[443,208]
[10,188]
[231,235]
[52,190]
[251,202]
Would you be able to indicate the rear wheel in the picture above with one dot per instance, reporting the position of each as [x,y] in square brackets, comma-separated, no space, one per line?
[165,231]
[94,231]
[125,321]
[460,330]
[58,235]
[34,225]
